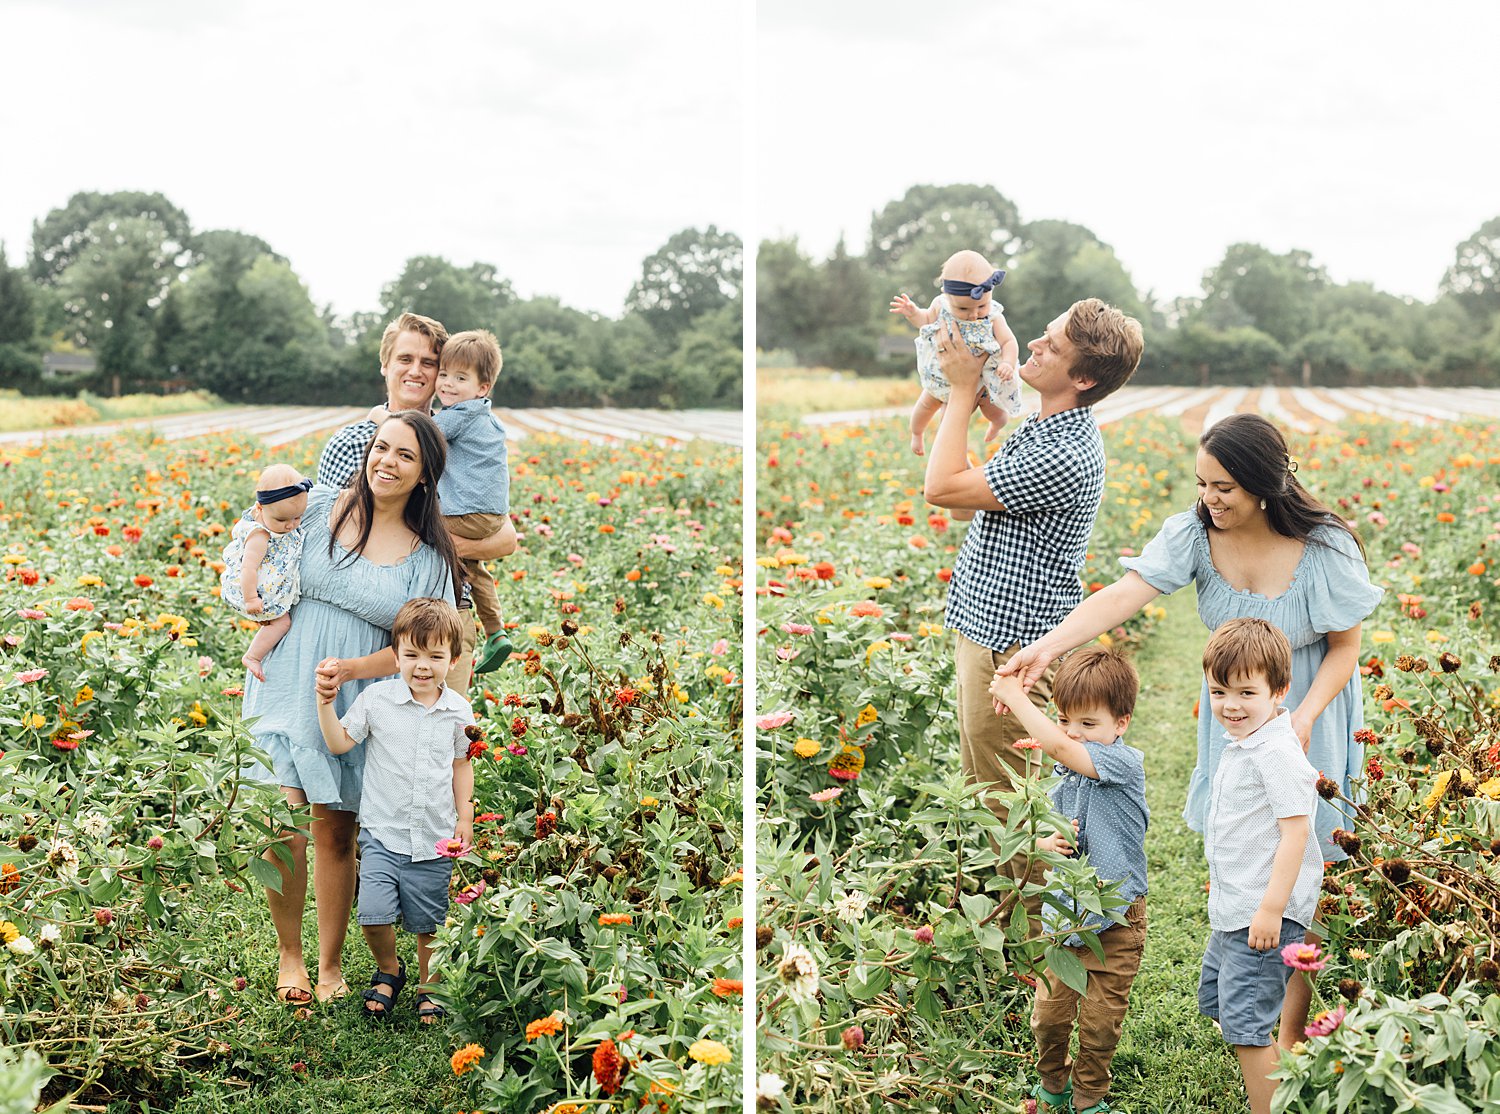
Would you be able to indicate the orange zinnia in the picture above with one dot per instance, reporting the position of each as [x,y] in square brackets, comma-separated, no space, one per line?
[866,607]
[466,1058]
[544,1027]
[615,918]
[728,988]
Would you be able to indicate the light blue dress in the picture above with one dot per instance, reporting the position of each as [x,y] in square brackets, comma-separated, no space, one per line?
[346,611]
[1330,591]
[980,337]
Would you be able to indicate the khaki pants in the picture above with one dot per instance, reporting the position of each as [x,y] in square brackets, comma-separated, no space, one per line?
[984,739]
[477,527]
[1099,1013]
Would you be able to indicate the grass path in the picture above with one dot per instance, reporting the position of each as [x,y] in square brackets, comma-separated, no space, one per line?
[1170,1058]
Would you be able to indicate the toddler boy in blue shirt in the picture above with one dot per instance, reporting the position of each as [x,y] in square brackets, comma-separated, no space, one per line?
[1103,792]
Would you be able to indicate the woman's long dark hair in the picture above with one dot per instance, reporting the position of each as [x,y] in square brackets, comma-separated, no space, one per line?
[422,515]
[1253,451]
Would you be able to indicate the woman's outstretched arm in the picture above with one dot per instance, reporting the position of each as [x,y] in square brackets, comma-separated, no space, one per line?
[1338,666]
[1106,608]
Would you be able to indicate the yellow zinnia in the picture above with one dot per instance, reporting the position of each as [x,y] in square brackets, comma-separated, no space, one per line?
[867,715]
[1439,787]
[806,748]
[709,1052]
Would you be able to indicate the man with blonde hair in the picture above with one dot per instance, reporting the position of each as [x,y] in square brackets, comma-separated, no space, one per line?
[1035,500]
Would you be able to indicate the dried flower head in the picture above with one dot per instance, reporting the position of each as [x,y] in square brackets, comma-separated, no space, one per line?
[1449,663]
[798,973]
[1397,870]
[1350,989]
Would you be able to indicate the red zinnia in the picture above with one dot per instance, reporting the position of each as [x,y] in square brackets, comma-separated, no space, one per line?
[608,1066]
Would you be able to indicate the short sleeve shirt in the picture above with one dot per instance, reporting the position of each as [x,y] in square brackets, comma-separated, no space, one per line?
[476,479]
[1016,576]
[341,456]
[1261,778]
[1112,817]
[410,750]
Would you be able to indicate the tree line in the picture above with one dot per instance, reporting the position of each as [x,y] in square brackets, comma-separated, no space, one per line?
[1263,317]
[124,277]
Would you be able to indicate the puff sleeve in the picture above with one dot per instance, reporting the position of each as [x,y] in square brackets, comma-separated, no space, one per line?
[1170,560]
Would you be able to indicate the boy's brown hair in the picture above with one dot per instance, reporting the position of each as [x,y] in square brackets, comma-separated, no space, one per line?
[1248,648]
[1109,345]
[411,323]
[475,350]
[1094,676]
[428,622]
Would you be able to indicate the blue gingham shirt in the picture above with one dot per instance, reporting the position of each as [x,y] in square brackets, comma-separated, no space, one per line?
[1016,576]
[344,451]
[476,479]
[410,749]
[1112,817]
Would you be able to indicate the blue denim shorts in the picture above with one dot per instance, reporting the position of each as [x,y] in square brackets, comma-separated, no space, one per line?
[1243,989]
[392,888]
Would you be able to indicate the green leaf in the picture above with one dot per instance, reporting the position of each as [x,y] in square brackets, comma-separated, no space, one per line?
[1068,967]
[264,873]
[876,981]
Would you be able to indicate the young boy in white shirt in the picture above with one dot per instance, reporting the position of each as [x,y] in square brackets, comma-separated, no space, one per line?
[1264,867]
[418,793]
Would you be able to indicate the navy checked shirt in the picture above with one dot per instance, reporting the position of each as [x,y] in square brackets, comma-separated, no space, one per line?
[1016,576]
[342,454]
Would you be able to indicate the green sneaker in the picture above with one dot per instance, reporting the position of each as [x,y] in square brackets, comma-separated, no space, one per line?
[1100,1107]
[1063,1101]
[493,654]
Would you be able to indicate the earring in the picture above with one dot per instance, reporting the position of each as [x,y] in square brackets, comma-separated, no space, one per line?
[1262,504]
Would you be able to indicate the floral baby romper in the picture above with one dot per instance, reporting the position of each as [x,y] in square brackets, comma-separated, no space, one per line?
[279,584]
[980,337]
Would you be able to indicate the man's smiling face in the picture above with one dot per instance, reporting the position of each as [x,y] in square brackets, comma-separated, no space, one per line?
[411,372]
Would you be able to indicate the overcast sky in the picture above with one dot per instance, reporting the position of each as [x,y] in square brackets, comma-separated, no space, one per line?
[1365,133]
[562,143]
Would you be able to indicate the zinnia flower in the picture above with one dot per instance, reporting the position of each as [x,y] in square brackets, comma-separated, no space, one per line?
[797,628]
[822,796]
[847,764]
[1325,1023]
[867,608]
[451,848]
[773,720]
[1303,957]
[851,907]
[769,1087]
[608,1065]
[547,1026]
[30,675]
[468,1057]
[467,895]
[798,973]
[608,919]
[728,988]
[709,1052]
[806,748]
[1026,744]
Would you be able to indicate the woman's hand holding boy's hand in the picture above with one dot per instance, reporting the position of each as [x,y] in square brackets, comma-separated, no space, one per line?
[332,673]
[1007,692]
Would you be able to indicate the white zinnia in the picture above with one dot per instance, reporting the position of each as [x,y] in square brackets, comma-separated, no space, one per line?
[22,945]
[64,859]
[798,972]
[94,825]
[769,1087]
[50,934]
[851,907]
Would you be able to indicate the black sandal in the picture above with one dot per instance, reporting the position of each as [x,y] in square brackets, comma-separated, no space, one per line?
[386,1002]
[429,1016]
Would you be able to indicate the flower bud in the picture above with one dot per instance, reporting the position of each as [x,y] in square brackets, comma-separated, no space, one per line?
[924,934]
[155,843]
[103,917]
[854,1038]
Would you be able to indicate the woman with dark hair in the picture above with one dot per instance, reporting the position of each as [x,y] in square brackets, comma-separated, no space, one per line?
[368,548]
[1257,545]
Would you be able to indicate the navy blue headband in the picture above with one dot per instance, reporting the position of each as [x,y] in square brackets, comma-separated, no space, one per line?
[277,494]
[965,289]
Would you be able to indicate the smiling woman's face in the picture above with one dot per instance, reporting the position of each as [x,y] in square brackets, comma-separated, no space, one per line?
[395,463]
[1228,504]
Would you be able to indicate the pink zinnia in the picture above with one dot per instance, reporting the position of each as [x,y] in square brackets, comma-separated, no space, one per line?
[719,648]
[824,795]
[31,613]
[1026,744]
[451,848]
[842,774]
[1325,1022]
[1303,957]
[797,628]
[773,720]
[786,653]
[31,675]
[469,893]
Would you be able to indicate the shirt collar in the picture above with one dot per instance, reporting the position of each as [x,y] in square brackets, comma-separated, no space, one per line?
[448,699]
[1279,724]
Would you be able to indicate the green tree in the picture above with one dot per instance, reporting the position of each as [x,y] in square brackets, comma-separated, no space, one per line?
[67,234]
[1059,264]
[1254,286]
[788,312]
[1474,278]
[111,291]
[707,369]
[460,297]
[853,317]
[19,363]
[553,355]
[911,237]
[695,272]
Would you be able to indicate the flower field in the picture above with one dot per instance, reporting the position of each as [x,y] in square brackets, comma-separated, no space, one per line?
[592,953]
[892,964]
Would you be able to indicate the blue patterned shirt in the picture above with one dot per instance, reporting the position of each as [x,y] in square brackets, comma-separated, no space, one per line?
[1016,576]
[476,479]
[1112,817]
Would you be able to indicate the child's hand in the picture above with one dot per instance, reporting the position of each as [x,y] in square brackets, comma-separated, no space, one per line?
[1006,371]
[253,605]
[464,832]
[1058,842]
[378,414]
[1265,930]
[906,308]
[1006,691]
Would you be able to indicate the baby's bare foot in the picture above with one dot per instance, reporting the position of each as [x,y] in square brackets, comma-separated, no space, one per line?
[253,664]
